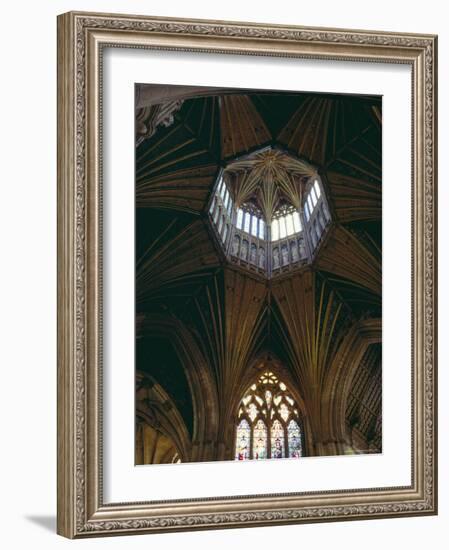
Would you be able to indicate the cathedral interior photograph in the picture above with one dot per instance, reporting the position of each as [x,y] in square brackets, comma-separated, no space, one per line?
[258,274]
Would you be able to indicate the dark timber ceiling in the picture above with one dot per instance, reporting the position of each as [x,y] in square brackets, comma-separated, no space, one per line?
[179,269]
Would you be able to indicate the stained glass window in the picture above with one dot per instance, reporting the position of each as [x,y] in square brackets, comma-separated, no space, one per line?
[299,226]
[260,437]
[268,397]
[294,440]
[242,449]
[268,424]
[252,411]
[277,440]
[284,412]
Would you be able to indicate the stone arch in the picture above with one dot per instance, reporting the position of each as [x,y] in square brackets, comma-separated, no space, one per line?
[157,411]
[340,376]
[201,383]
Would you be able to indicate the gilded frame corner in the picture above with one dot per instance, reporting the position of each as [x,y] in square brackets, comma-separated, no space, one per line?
[81,37]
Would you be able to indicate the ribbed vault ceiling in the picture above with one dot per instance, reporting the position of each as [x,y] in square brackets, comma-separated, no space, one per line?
[179,268]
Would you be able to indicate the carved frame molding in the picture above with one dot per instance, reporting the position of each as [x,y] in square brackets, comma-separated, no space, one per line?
[81,38]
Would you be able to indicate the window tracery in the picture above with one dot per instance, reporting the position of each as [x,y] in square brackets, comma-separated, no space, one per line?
[268,423]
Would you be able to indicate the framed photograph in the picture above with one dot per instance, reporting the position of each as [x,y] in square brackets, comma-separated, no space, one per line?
[246,274]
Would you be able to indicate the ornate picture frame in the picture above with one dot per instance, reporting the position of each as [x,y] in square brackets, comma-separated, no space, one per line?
[82,39]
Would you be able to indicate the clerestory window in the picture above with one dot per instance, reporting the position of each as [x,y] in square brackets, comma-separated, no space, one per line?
[264,226]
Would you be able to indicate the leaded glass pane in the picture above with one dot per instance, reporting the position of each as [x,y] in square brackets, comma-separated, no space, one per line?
[289,224]
[221,188]
[260,438]
[314,197]
[275,230]
[296,222]
[230,205]
[243,437]
[268,398]
[261,229]
[226,198]
[247,222]
[239,218]
[254,226]
[212,206]
[294,440]
[277,440]
[252,411]
[282,228]
[264,427]
[309,202]
[284,412]
[316,186]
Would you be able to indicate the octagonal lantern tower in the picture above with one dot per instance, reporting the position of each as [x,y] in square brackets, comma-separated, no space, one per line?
[269,211]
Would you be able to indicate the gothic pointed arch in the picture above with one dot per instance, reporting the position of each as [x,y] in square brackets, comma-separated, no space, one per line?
[201,385]
[268,422]
[161,433]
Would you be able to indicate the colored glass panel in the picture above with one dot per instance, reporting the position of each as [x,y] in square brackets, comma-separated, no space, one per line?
[243,438]
[260,438]
[277,440]
[294,440]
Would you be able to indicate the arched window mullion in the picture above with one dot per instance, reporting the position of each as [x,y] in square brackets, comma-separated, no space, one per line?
[239,423]
[251,442]
[275,423]
[286,442]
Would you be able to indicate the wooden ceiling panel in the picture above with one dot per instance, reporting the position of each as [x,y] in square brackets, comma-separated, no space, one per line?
[191,251]
[354,198]
[242,127]
[185,189]
[344,255]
